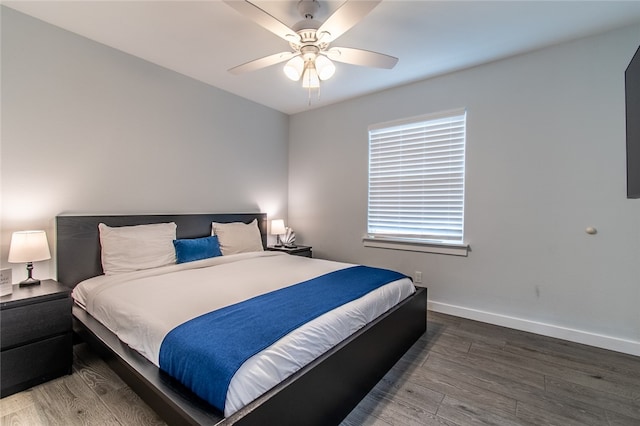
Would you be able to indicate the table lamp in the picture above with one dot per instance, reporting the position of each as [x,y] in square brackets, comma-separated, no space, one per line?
[277,229]
[29,247]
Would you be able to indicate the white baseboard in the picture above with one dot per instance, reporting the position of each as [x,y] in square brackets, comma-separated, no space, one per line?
[579,336]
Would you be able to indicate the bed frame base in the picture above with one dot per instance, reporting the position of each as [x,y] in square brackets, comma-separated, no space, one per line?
[323,393]
[329,389]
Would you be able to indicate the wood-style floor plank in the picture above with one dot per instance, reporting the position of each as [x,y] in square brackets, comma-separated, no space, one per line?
[66,402]
[599,366]
[464,392]
[19,409]
[125,404]
[459,373]
[467,413]
[593,397]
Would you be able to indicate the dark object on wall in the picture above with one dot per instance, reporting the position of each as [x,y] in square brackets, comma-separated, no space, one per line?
[632,90]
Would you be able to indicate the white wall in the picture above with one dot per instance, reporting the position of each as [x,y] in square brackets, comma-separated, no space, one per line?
[89,129]
[545,159]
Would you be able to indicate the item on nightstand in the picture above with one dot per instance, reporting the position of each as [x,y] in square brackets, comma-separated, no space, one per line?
[5,282]
[277,229]
[289,239]
[28,247]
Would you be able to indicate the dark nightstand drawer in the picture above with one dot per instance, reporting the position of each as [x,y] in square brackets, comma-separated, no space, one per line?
[30,365]
[37,338]
[28,323]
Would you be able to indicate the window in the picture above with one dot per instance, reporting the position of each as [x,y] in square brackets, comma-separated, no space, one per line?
[416,180]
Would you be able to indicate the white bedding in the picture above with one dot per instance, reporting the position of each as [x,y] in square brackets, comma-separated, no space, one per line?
[142,307]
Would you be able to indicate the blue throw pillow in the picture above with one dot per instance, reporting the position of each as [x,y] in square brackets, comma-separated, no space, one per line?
[188,250]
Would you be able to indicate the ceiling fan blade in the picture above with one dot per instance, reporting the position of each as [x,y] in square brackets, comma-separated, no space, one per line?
[264,19]
[361,57]
[262,62]
[347,15]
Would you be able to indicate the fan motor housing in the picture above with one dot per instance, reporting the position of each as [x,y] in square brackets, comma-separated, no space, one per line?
[308,8]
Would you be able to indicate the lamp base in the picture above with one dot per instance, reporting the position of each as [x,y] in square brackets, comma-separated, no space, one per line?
[29,281]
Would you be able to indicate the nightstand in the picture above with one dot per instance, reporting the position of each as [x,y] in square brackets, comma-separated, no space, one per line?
[36,344]
[304,251]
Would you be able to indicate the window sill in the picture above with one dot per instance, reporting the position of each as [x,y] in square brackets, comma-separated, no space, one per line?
[412,245]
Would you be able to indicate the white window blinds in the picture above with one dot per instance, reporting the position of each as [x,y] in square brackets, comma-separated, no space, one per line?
[416,178]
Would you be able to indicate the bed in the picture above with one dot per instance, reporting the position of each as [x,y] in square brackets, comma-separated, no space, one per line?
[322,392]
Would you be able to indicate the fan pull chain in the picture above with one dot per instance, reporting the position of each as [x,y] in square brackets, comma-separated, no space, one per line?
[309,95]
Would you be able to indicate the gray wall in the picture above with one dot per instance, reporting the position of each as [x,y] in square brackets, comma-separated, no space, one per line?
[545,159]
[89,129]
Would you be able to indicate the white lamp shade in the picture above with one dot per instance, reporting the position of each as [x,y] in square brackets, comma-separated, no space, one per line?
[293,69]
[277,227]
[325,67]
[28,246]
[310,78]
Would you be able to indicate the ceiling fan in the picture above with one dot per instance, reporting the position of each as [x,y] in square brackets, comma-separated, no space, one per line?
[311,57]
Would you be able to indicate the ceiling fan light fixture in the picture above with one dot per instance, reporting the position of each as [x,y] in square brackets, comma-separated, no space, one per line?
[310,79]
[310,58]
[324,67]
[294,68]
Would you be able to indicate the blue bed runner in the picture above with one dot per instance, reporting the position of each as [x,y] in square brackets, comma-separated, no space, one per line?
[205,352]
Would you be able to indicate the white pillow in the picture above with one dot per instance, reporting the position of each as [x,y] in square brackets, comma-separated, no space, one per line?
[237,237]
[131,248]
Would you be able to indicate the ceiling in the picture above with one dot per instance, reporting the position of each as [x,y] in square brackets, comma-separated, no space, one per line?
[203,39]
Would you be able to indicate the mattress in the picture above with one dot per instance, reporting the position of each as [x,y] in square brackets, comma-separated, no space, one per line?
[142,307]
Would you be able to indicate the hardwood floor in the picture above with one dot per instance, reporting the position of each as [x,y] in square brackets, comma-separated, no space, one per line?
[460,373]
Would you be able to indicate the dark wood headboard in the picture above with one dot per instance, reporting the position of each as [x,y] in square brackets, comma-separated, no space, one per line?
[78,240]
